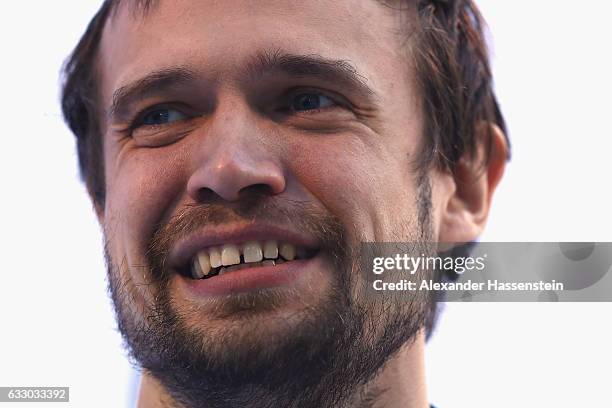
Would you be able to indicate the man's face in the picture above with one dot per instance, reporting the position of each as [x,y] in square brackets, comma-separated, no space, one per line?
[238,121]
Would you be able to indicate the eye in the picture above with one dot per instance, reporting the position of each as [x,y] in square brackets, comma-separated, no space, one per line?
[161,125]
[162,116]
[308,101]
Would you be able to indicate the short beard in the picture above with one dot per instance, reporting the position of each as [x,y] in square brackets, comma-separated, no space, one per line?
[324,360]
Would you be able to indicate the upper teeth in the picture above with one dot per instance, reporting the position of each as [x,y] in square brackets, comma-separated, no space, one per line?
[229,254]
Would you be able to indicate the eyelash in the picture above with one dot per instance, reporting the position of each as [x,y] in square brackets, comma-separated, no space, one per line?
[304,91]
[138,119]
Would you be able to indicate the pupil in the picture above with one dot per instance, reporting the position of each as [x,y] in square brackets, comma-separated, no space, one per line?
[308,102]
[156,118]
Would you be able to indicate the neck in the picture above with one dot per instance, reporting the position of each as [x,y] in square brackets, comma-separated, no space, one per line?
[401,383]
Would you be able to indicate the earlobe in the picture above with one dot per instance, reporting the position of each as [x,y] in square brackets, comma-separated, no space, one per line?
[476,177]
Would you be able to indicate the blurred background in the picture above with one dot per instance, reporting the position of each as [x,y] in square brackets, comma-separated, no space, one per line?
[552,65]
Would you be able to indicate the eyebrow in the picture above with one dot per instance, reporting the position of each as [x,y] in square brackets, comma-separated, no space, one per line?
[153,83]
[335,71]
[331,70]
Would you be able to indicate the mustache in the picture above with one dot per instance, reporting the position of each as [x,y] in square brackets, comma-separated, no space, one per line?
[301,216]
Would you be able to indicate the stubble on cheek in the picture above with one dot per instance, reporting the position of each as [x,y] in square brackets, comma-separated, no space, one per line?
[128,273]
[130,216]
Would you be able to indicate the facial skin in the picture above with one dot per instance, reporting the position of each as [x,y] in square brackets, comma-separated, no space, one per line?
[242,149]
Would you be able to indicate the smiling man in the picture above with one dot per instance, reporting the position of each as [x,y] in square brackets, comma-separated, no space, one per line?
[238,152]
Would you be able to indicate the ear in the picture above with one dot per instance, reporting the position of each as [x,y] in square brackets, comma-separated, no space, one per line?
[466,208]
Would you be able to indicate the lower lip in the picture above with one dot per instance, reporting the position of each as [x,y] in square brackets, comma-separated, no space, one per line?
[250,279]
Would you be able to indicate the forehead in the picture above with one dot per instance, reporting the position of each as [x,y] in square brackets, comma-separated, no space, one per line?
[221,36]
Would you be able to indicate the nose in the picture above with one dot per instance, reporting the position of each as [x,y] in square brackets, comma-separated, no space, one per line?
[232,158]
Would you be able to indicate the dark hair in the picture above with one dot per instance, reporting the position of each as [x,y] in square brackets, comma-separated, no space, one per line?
[452,69]
[454,74]
[79,94]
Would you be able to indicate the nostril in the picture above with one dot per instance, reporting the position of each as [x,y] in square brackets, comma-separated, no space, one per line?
[260,189]
[207,195]
[253,192]
[234,173]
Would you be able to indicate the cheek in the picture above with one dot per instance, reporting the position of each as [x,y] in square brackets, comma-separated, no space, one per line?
[142,191]
[362,184]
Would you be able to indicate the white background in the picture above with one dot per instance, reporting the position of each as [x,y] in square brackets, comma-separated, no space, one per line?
[552,65]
